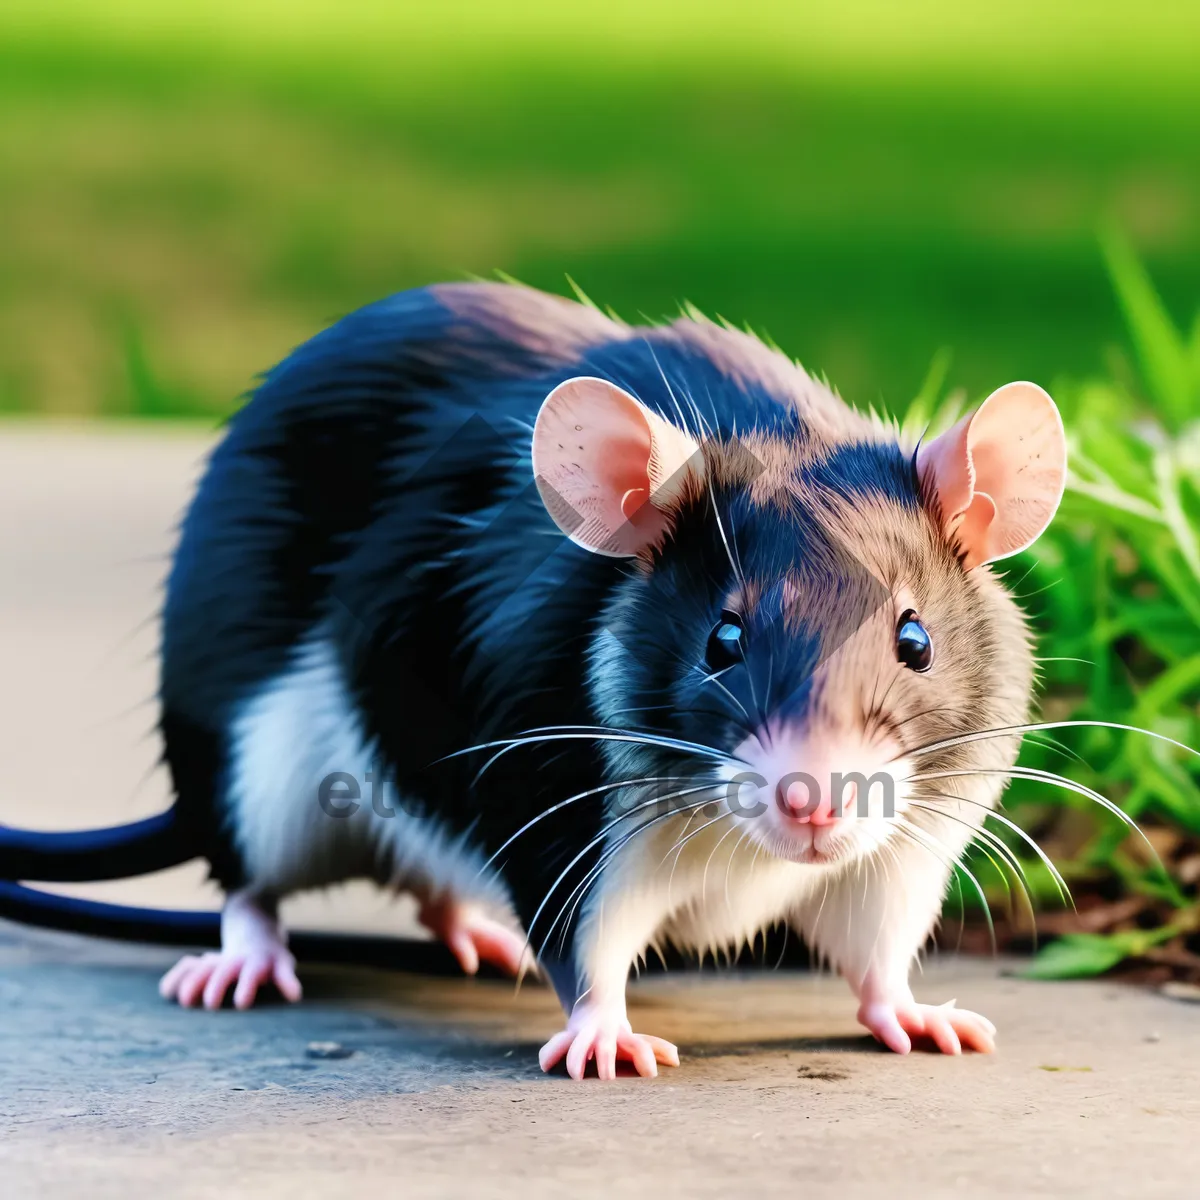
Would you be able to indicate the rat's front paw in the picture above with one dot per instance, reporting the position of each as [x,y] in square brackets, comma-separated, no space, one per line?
[206,978]
[950,1029]
[605,1035]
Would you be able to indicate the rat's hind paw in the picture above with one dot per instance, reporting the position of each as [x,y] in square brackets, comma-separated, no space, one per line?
[950,1029]
[207,977]
[607,1040]
[473,938]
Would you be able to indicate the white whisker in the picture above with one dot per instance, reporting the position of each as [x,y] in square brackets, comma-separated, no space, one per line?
[729,865]
[596,791]
[1064,891]
[715,680]
[609,852]
[1054,780]
[918,835]
[1042,726]
[579,892]
[1009,859]
[589,733]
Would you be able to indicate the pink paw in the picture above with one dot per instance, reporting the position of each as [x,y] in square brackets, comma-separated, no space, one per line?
[473,937]
[606,1038]
[950,1029]
[207,977]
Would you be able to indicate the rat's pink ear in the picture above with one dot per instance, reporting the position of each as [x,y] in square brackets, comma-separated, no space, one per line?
[998,474]
[607,468]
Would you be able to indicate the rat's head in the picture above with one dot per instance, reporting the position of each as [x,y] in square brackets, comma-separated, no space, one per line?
[801,617]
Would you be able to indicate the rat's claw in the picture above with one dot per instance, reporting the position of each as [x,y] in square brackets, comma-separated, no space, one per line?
[950,1029]
[606,1040]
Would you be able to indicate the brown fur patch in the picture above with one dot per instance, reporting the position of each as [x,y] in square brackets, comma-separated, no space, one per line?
[558,330]
[748,362]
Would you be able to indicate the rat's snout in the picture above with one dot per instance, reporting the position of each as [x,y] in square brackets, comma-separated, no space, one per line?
[806,802]
[820,793]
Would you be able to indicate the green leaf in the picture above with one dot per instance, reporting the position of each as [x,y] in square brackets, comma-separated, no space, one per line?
[1166,474]
[1078,956]
[1081,955]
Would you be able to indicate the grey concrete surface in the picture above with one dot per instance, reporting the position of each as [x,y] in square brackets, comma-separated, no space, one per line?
[106,1091]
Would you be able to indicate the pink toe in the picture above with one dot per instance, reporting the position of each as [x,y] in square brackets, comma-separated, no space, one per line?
[942,1032]
[191,986]
[641,1054]
[499,946]
[551,1053]
[979,1036]
[169,984]
[973,1025]
[286,979]
[224,974]
[578,1055]
[255,972]
[606,1057]
[463,948]
[664,1052]
[882,1021]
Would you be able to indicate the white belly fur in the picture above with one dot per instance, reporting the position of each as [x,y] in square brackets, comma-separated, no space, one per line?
[294,733]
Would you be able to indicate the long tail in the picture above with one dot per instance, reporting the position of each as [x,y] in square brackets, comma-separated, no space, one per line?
[175,927]
[30,906]
[85,855]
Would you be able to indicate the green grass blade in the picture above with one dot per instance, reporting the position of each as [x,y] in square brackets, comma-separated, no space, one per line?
[1164,359]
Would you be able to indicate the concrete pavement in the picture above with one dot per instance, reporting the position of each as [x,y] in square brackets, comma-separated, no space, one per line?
[395,1085]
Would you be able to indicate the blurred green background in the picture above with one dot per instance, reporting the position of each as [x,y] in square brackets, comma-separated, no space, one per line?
[920,201]
[188,190]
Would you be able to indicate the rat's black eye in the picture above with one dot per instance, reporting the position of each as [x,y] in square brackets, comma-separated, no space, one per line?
[726,642]
[913,645]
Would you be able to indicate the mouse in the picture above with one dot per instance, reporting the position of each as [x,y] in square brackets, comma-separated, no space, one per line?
[598,639]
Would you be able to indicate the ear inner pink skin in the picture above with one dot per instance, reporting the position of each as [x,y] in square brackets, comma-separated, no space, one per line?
[999,473]
[606,466]
[632,501]
[973,529]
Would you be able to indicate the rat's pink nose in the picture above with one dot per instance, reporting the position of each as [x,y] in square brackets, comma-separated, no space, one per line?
[799,803]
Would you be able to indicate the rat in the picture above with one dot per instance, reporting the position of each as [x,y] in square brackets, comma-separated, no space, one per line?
[596,638]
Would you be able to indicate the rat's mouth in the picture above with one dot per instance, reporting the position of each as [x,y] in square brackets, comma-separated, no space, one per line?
[809,846]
